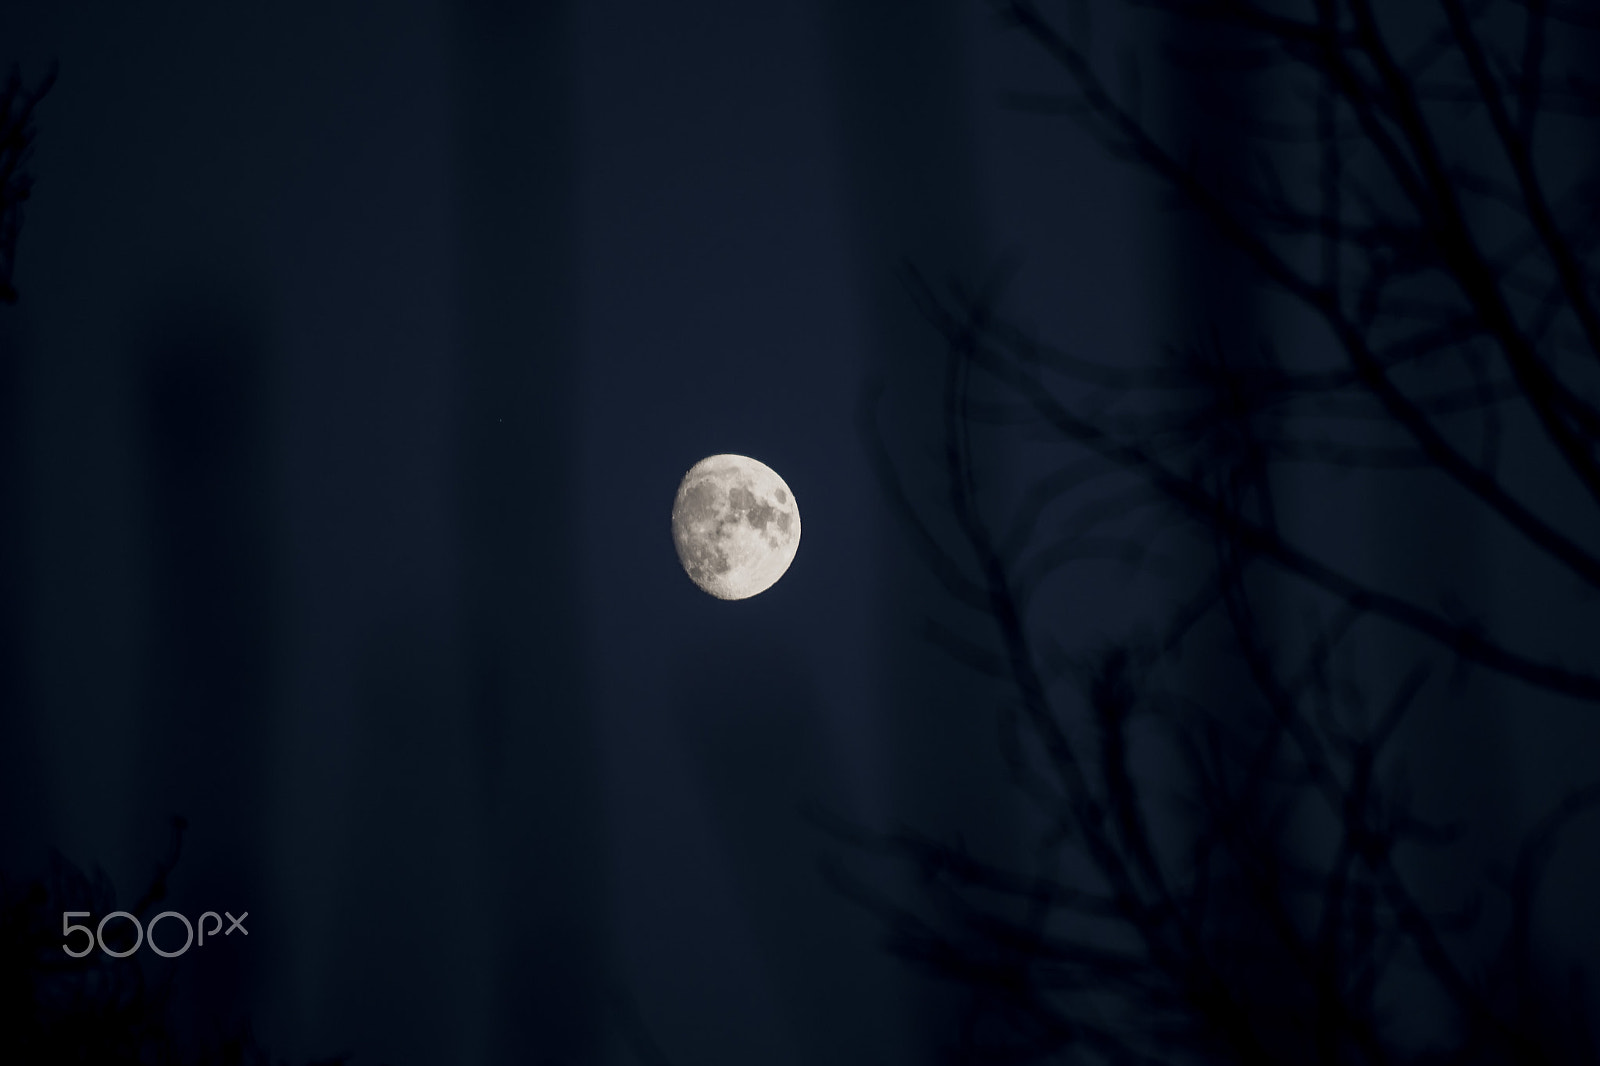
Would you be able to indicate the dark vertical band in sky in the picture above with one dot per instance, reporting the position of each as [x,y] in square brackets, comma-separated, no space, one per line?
[212,634]
[525,692]
[21,823]
[903,99]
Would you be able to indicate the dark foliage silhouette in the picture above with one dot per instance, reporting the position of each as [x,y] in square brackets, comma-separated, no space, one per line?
[1229,871]
[17,103]
[96,1009]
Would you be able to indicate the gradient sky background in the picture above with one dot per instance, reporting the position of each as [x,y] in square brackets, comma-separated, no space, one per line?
[360,350]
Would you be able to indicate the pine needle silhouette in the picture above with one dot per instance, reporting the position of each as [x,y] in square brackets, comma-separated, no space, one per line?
[17,104]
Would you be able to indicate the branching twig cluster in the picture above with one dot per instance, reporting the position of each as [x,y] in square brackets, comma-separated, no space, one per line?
[1402,193]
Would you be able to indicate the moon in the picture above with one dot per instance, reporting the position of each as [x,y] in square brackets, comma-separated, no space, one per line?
[736,526]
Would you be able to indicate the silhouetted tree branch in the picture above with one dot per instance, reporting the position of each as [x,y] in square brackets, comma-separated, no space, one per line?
[1402,194]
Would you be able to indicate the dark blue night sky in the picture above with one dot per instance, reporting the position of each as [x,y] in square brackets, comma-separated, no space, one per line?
[360,349]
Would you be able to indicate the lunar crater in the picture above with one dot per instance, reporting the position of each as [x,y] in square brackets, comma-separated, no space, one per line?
[736,526]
